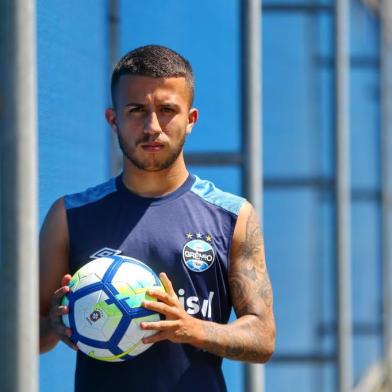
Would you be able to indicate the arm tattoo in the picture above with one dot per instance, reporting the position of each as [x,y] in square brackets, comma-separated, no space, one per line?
[238,343]
[251,336]
[248,277]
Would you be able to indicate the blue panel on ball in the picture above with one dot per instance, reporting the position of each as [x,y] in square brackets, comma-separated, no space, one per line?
[117,351]
[119,333]
[91,288]
[113,268]
[122,304]
[92,342]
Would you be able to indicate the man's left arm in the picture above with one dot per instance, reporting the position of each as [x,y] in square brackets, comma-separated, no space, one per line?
[251,337]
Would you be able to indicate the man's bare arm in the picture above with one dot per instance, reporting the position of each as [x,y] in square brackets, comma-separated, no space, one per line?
[53,278]
[249,338]
[252,336]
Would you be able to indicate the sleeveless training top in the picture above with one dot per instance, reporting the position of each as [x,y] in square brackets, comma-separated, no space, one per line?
[186,234]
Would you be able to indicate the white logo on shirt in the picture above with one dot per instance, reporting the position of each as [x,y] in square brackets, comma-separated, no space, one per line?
[194,305]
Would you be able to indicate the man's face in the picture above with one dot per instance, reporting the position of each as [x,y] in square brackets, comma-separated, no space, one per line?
[152,118]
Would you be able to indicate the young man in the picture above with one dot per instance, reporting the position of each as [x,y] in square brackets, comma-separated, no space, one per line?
[152,212]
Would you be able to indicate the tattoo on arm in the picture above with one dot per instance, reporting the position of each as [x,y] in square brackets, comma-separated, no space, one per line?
[248,276]
[236,343]
[251,337]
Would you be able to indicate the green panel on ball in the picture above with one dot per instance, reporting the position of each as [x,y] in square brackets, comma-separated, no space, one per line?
[110,310]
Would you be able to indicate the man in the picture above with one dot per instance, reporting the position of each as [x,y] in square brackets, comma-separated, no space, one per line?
[153,212]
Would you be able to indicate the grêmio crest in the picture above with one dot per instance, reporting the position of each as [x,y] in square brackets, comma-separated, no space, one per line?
[198,254]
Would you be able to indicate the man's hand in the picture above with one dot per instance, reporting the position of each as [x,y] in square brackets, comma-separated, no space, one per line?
[179,326]
[54,322]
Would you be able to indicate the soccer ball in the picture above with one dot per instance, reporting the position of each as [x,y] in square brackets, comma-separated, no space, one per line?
[105,307]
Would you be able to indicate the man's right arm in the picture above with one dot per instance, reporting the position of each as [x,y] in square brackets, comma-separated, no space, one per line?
[54,267]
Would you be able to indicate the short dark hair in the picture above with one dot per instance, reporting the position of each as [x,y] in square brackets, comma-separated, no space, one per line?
[154,61]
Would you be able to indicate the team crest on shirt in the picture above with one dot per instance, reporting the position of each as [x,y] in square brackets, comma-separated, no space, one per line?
[198,254]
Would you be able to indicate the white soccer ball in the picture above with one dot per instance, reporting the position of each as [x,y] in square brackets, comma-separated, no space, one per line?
[105,307]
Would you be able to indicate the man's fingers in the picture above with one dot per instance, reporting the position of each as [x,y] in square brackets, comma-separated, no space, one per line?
[155,338]
[61,310]
[162,296]
[65,280]
[58,294]
[161,307]
[61,291]
[167,284]
[59,328]
[55,314]
[159,325]
[64,333]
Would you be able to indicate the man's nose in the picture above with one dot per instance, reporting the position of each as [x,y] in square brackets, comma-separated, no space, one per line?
[151,124]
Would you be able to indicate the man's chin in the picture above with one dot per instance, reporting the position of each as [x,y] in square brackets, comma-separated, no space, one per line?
[152,167]
[152,163]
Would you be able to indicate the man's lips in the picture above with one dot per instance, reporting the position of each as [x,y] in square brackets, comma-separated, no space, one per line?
[152,147]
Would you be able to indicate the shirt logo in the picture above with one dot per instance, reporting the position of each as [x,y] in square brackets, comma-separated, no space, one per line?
[105,252]
[198,254]
[196,305]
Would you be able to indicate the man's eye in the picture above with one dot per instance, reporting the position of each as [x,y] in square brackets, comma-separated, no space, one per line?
[167,109]
[136,109]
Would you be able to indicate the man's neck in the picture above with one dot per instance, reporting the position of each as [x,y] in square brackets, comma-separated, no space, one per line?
[154,183]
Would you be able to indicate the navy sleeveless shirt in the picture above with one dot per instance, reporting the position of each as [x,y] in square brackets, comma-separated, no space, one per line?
[186,234]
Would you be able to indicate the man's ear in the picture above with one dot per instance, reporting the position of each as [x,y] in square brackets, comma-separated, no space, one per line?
[192,119]
[110,115]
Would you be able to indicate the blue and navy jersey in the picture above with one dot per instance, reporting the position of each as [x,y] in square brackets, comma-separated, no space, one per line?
[186,234]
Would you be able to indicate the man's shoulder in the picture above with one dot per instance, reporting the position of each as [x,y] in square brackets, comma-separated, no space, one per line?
[210,193]
[90,195]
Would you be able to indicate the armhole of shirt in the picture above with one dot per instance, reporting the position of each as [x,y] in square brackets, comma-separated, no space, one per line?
[229,202]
